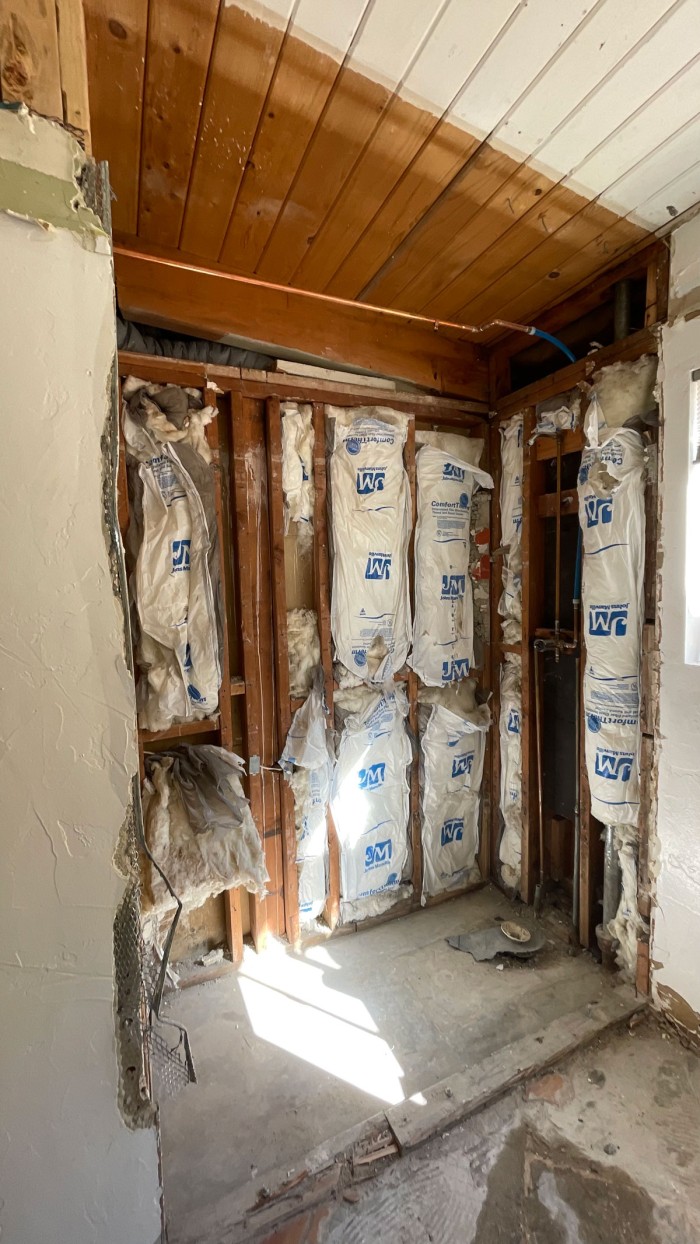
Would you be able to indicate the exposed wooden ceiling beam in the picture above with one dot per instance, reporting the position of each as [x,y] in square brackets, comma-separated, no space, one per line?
[172,294]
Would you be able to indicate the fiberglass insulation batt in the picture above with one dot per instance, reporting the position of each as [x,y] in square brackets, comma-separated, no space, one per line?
[443,635]
[611,513]
[178,643]
[370,607]
[510,604]
[510,850]
[452,757]
[510,609]
[308,764]
[369,800]
[198,827]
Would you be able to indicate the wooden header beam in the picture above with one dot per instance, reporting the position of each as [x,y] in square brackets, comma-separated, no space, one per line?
[176,295]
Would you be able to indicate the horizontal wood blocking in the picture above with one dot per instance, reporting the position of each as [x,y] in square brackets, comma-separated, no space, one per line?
[547,504]
[204,301]
[572,442]
[181,730]
[432,411]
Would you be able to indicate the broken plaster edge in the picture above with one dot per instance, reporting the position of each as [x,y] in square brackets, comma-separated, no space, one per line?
[41,184]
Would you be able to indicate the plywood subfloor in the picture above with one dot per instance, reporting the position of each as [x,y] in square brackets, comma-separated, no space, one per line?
[297,1048]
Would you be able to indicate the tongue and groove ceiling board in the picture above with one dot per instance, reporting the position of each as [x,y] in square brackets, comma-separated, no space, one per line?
[455,157]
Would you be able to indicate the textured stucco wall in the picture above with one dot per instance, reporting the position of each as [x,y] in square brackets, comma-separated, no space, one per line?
[676,925]
[70,1168]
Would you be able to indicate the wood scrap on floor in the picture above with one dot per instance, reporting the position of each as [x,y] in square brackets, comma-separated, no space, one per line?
[299,1193]
[303,1190]
[373,1149]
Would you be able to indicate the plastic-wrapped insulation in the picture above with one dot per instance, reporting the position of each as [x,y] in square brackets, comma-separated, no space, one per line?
[611,514]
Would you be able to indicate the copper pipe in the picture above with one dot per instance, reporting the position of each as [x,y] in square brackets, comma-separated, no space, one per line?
[332,299]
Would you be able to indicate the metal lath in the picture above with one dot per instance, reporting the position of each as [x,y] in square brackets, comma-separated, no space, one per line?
[154,1052]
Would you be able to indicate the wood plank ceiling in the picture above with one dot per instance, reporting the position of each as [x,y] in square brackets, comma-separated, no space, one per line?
[453,157]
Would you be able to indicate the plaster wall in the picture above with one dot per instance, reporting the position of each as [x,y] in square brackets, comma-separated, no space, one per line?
[70,1168]
[676,922]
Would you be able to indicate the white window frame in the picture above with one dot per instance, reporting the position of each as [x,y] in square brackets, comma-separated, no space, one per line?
[692,530]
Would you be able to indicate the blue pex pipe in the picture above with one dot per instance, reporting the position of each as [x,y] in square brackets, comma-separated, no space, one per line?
[539,332]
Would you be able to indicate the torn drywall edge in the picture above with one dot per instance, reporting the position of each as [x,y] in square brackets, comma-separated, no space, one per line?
[674,858]
[42,184]
[88,707]
[39,143]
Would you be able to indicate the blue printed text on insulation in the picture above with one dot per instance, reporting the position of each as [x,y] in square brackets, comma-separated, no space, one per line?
[453,670]
[450,470]
[513,726]
[369,480]
[181,555]
[462,764]
[378,566]
[452,831]
[598,510]
[378,854]
[615,766]
[372,777]
[606,620]
[453,586]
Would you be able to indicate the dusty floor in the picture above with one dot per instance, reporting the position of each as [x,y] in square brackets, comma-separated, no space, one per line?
[295,1049]
[604,1150]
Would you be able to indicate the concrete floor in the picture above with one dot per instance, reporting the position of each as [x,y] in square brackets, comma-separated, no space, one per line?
[296,1048]
[604,1150]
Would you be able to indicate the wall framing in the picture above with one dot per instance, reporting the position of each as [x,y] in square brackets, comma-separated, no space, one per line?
[255,703]
[250,402]
[537,504]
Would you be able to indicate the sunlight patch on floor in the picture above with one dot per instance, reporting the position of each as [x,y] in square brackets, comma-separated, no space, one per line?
[290,1005]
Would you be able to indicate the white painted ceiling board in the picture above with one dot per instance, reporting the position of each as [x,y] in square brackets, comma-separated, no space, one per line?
[392,36]
[659,167]
[666,112]
[683,192]
[329,25]
[607,34]
[585,90]
[521,53]
[661,54]
[457,46]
